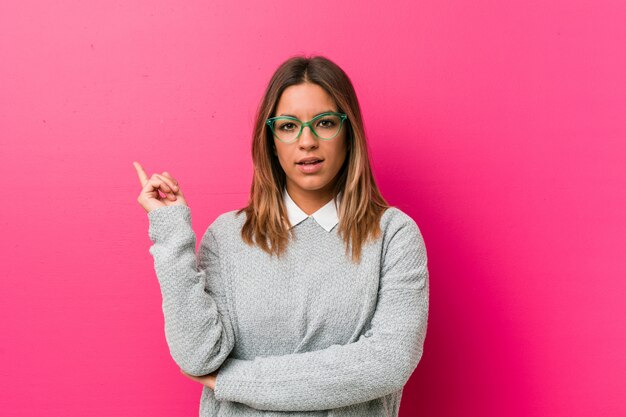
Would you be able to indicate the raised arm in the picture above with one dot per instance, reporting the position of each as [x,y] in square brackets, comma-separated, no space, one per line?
[377,364]
[197,329]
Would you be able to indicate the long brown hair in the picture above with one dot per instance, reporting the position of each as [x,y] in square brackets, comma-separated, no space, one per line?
[361,206]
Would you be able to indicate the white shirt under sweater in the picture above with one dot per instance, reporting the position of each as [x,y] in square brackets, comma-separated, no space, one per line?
[325,216]
[308,335]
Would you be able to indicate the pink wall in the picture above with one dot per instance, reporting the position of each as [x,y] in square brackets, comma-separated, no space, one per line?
[499,126]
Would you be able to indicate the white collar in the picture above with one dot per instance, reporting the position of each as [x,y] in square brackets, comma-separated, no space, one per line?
[325,216]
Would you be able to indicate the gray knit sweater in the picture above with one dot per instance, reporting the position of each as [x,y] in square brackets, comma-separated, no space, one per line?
[308,335]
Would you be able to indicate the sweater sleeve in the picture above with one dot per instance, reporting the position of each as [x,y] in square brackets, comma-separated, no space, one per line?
[197,330]
[379,363]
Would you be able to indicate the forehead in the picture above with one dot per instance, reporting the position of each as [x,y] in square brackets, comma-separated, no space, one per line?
[304,101]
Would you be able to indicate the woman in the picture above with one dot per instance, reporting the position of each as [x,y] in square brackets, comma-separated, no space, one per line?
[311,300]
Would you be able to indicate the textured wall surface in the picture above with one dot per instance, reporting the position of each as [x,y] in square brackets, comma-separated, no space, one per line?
[498,126]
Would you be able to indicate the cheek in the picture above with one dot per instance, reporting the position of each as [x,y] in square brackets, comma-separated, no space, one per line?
[284,157]
[339,154]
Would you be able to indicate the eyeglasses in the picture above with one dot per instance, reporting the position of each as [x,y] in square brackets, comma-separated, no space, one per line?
[288,129]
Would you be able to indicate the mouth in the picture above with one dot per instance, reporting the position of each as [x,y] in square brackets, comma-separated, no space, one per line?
[311,162]
[310,167]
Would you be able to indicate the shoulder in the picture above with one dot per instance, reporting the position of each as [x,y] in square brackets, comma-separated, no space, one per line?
[400,230]
[227,224]
[223,231]
[394,219]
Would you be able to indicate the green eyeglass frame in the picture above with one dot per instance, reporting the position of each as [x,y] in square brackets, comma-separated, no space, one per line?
[271,120]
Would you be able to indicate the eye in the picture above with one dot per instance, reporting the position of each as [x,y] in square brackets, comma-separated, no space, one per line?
[326,123]
[286,126]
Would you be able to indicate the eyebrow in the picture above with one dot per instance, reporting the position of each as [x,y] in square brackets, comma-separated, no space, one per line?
[291,115]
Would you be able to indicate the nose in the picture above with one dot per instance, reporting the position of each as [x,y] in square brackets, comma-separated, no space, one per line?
[307,139]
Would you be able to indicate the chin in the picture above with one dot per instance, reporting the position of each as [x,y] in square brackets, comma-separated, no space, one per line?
[313,184]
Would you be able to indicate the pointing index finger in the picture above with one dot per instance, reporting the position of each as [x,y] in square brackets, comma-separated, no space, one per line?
[143,177]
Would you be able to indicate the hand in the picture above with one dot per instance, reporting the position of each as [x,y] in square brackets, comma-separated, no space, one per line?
[208,380]
[149,198]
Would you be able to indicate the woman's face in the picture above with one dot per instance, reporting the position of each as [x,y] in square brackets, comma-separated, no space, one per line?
[306,101]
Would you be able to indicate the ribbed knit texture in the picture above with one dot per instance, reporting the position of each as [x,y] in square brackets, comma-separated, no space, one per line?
[312,334]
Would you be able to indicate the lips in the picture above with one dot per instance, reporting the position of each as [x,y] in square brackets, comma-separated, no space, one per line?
[309,160]
[310,168]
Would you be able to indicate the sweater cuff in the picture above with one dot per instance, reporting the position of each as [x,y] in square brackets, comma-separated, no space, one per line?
[167,220]
[231,379]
